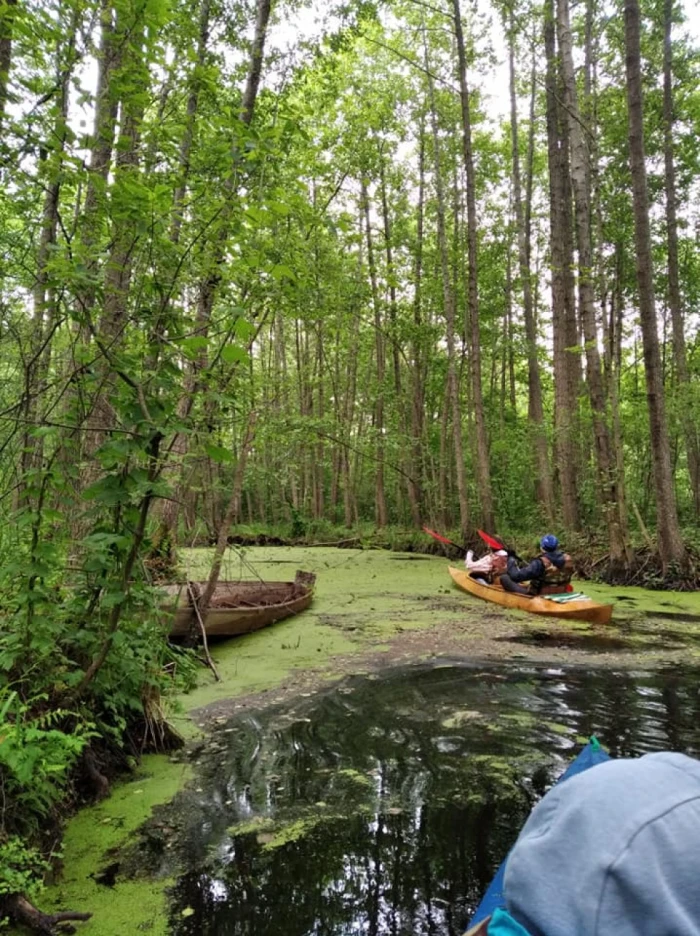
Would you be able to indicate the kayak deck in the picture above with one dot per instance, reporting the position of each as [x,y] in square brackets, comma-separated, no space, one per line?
[570,608]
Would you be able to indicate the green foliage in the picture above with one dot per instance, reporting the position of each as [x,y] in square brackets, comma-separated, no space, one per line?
[37,752]
[21,868]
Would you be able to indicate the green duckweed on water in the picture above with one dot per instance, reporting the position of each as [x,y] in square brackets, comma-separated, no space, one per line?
[364,602]
[95,836]
[362,597]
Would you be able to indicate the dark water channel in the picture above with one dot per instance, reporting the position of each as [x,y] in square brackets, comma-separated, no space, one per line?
[384,805]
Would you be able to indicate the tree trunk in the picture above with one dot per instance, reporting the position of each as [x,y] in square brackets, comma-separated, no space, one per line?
[381,514]
[7,20]
[44,291]
[415,486]
[668,530]
[483,475]
[106,110]
[24,913]
[188,135]
[231,516]
[448,296]
[391,278]
[580,178]
[614,370]
[543,482]
[690,426]
[566,362]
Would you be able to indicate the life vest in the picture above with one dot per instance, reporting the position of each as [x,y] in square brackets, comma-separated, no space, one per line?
[556,575]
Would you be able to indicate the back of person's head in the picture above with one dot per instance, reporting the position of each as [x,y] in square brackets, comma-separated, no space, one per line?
[614,851]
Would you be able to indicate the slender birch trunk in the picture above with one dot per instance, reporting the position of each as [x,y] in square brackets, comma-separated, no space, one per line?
[448,298]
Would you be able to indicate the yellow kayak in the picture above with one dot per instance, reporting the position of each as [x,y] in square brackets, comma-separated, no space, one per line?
[573,608]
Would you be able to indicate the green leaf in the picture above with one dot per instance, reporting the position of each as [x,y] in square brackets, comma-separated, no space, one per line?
[281,271]
[233,354]
[218,454]
[193,345]
[244,329]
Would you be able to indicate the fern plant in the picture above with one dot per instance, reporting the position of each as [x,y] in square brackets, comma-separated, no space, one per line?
[36,754]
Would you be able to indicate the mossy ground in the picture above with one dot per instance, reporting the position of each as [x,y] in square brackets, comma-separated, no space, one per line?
[372,608]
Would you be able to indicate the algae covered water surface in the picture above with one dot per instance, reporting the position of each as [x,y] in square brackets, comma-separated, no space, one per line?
[383,805]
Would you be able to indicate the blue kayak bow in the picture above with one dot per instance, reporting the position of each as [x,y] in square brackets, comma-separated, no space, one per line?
[494,898]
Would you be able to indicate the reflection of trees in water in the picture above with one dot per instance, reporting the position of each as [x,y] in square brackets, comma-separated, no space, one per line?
[402,874]
[425,783]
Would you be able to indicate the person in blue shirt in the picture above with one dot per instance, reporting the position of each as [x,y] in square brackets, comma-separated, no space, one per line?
[548,573]
[613,851]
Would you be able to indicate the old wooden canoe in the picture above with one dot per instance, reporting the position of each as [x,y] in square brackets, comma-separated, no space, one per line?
[238,607]
[578,609]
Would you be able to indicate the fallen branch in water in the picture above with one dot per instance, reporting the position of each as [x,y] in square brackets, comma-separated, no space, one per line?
[49,924]
[205,645]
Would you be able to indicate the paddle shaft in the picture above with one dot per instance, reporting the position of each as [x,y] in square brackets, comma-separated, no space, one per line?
[443,539]
[490,541]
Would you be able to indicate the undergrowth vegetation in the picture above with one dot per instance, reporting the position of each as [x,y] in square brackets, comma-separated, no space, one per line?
[85,671]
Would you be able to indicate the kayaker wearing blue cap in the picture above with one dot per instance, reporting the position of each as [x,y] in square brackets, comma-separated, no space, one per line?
[614,851]
[550,572]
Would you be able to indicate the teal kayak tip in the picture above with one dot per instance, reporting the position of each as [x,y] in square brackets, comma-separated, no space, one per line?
[594,743]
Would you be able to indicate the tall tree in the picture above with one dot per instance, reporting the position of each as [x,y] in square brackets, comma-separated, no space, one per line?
[566,358]
[449,311]
[381,514]
[668,530]
[215,256]
[581,185]
[543,483]
[483,474]
[689,423]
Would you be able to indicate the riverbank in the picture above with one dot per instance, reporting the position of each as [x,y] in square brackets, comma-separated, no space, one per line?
[372,610]
[591,550]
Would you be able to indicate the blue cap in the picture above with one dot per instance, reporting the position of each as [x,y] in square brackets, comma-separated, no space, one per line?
[549,542]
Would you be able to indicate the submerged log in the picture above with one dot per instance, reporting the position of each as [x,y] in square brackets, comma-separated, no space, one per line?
[23,912]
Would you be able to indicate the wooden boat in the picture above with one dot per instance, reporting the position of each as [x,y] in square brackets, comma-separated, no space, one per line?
[572,608]
[237,607]
[494,898]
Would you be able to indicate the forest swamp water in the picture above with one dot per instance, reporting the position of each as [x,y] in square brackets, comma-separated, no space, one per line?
[375,616]
[384,804]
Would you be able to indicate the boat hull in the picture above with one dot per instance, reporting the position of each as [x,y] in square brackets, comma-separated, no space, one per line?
[237,607]
[576,610]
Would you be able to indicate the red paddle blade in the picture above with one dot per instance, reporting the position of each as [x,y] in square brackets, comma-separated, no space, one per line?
[436,536]
[489,540]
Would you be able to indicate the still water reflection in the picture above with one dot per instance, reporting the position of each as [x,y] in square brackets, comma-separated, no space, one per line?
[384,805]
